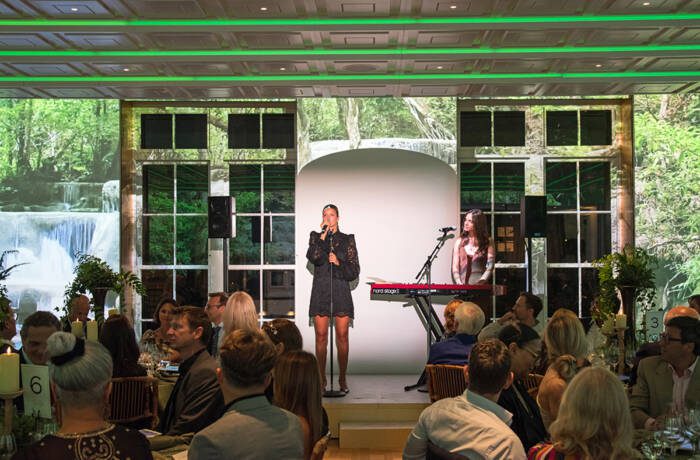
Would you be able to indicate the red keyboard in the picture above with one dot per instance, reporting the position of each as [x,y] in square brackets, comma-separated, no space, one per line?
[403,289]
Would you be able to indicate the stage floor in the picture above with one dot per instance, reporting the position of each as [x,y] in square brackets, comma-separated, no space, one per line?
[379,389]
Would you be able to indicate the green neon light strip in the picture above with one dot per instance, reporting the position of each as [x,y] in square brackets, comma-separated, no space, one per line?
[353,52]
[310,78]
[485,21]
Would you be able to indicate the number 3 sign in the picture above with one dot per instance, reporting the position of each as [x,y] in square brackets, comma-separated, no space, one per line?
[37,397]
[655,324]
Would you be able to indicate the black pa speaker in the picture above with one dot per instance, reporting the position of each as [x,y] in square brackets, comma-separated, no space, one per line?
[220,211]
[533,216]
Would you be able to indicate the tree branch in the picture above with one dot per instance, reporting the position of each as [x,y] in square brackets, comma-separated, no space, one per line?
[672,242]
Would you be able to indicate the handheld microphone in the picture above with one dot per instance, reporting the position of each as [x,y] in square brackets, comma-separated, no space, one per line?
[323,229]
[447,229]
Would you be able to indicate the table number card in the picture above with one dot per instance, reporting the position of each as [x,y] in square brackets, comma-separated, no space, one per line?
[655,324]
[37,393]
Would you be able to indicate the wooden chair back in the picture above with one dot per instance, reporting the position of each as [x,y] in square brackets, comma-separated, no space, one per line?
[445,381]
[134,402]
[532,384]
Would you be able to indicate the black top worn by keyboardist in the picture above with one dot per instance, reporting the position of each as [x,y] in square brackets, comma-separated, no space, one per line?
[344,248]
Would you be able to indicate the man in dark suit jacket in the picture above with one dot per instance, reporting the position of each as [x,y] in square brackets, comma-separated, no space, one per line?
[196,400]
[670,381]
[469,319]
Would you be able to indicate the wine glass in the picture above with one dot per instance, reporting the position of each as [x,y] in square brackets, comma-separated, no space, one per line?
[8,446]
[673,433]
[612,355]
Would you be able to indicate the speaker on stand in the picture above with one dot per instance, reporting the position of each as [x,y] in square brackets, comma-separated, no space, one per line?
[220,211]
[533,224]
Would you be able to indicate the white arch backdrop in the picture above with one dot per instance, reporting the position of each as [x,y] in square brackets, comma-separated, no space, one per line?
[394,201]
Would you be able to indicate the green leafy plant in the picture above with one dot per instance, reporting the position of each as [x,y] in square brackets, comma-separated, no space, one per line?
[633,267]
[93,274]
[4,274]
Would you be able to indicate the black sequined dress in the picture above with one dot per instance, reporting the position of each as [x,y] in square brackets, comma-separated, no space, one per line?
[345,250]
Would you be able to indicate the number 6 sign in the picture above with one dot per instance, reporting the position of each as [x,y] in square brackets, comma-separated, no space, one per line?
[37,397]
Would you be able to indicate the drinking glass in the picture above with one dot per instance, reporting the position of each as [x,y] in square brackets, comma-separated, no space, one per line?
[8,446]
[673,433]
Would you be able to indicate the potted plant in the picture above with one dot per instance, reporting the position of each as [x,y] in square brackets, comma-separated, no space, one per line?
[94,275]
[4,274]
[631,274]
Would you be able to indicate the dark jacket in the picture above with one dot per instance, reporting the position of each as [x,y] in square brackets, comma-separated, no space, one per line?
[196,401]
[527,420]
[454,350]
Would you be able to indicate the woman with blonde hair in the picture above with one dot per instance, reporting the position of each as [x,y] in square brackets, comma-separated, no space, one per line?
[593,422]
[297,388]
[240,313]
[567,348]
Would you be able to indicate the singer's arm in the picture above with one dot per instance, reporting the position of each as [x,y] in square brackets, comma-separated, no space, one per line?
[455,262]
[490,263]
[318,250]
[349,268]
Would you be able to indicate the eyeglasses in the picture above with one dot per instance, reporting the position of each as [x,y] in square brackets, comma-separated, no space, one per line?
[666,338]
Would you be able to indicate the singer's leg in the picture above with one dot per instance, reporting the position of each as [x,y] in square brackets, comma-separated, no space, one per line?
[321,329]
[342,324]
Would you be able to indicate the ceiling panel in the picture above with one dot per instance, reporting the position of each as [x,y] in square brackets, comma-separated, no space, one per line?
[23,41]
[40,69]
[72,8]
[98,41]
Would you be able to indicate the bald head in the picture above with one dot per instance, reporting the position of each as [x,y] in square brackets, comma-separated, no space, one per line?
[680,310]
[79,308]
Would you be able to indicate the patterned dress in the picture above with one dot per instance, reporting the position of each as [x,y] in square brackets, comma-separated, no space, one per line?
[343,246]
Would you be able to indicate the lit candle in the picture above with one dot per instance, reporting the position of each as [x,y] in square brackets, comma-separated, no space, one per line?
[92,330]
[621,321]
[9,373]
[76,328]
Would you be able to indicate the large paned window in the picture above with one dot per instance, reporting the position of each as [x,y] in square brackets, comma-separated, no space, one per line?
[495,187]
[578,230]
[174,232]
[261,254]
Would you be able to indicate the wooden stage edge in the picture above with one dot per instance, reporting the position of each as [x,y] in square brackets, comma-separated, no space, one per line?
[377,413]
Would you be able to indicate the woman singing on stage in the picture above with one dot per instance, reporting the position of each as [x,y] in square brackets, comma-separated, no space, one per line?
[332,252]
[473,255]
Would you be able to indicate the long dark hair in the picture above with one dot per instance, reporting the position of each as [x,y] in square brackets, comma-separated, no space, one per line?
[481,231]
[118,337]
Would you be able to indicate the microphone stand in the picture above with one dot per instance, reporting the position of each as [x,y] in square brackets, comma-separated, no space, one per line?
[332,393]
[426,271]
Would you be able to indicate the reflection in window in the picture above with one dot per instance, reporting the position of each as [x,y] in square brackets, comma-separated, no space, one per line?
[278,293]
[158,190]
[562,238]
[192,188]
[475,186]
[279,241]
[245,280]
[562,127]
[191,287]
[245,247]
[508,186]
[279,188]
[192,238]
[158,240]
[514,280]
[589,290]
[244,185]
[595,185]
[159,285]
[508,244]
[595,236]
[562,289]
[561,185]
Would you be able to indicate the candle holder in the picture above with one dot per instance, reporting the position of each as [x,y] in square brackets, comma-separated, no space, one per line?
[621,347]
[7,399]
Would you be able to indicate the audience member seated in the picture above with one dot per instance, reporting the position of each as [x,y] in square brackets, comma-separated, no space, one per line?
[196,400]
[80,374]
[654,348]
[78,310]
[284,334]
[472,424]
[593,421]
[155,341]
[671,382]
[251,427]
[240,313]
[524,345]
[694,302]
[567,348]
[525,311]
[35,331]
[215,312]
[8,328]
[469,319]
[118,337]
[449,315]
[298,389]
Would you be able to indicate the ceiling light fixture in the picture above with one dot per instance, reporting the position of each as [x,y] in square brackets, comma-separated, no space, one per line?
[646,3]
[257,79]
[263,8]
[343,22]
[599,65]
[453,7]
[126,69]
[439,67]
[283,68]
[74,9]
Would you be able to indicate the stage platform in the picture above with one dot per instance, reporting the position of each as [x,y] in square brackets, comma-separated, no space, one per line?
[377,413]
